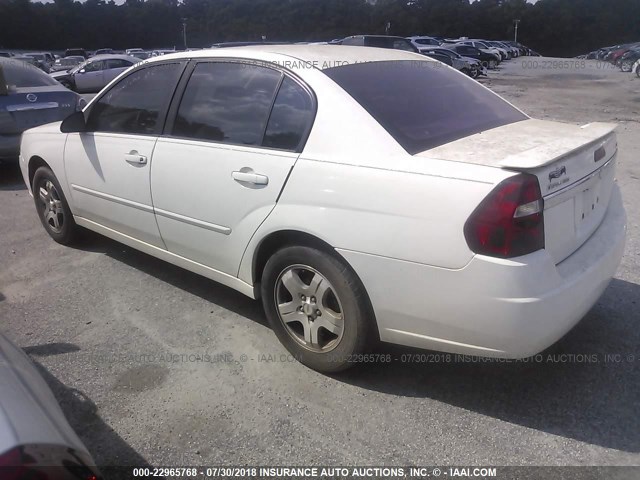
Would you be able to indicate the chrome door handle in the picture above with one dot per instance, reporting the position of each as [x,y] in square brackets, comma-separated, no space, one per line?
[134,158]
[250,177]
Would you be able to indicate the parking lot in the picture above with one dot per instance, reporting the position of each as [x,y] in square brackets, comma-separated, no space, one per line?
[154,365]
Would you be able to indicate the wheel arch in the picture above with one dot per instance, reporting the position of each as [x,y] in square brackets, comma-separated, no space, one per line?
[279,239]
[35,162]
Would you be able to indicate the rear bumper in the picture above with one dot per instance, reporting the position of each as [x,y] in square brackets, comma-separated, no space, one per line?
[9,146]
[492,307]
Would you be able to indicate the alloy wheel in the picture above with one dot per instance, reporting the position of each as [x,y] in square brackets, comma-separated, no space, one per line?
[53,212]
[309,308]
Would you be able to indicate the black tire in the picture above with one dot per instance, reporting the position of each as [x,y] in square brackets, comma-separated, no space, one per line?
[358,331]
[67,229]
[638,71]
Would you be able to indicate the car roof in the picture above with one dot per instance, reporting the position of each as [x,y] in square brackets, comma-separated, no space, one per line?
[320,56]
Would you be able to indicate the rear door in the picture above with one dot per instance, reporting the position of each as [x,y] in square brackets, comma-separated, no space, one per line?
[217,173]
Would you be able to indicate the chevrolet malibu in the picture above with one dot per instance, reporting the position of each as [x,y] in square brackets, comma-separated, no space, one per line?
[356,203]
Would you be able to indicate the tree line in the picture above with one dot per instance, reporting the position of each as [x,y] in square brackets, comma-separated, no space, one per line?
[552,27]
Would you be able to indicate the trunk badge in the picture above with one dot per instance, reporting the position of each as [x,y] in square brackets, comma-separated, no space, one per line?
[557,173]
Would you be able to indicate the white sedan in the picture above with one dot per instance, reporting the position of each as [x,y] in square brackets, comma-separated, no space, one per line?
[356,203]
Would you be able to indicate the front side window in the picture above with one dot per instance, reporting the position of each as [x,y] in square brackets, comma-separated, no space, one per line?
[135,103]
[420,118]
[290,118]
[94,66]
[227,102]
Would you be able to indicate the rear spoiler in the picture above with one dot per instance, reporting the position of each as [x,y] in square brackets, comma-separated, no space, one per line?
[4,88]
[554,151]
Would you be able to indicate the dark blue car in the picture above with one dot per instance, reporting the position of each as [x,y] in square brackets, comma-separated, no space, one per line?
[29,98]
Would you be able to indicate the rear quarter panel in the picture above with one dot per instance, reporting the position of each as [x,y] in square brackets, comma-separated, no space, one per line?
[355,188]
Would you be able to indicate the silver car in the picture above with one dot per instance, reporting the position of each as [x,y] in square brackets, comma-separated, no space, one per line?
[36,441]
[95,73]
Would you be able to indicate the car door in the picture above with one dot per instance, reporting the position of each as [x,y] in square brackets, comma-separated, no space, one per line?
[217,173]
[90,78]
[108,165]
[113,68]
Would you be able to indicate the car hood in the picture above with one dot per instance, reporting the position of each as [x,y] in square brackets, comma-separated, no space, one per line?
[49,128]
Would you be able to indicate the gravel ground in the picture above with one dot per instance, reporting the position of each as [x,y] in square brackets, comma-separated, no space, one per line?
[116,334]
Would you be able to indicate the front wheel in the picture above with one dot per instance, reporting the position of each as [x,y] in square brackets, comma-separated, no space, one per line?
[317,307]
[52,207]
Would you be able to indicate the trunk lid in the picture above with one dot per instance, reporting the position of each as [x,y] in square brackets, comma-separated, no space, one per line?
[575,167]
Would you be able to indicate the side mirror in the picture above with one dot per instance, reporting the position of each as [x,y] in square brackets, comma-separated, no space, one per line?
[82,71]
[74,123]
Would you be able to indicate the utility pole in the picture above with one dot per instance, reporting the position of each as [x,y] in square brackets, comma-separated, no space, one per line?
[184,32]
[516,21]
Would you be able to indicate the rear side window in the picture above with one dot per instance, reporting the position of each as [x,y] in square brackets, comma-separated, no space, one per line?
[291,117]
[117,63]
[20,74]
[423,106]
[134,104]
[227,102]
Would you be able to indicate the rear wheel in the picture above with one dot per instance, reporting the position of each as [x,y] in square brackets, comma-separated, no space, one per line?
[52,207]
[317,307]
[626,66]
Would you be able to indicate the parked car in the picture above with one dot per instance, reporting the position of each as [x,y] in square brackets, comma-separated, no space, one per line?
[76,52]
[43,60]
[93,74]
[468,66]
[380,41]
[36,441]
[447,60]
[65,64]
[500,53]
[420,42]
[132,51]
[26,59]
[104,51]
[488,60]
[373,197]
[6,54]
[627,60]
[28,98]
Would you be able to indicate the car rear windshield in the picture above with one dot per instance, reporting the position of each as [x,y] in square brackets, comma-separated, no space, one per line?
[17,73]
[423,104]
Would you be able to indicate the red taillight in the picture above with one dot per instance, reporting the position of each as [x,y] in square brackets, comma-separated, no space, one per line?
[509,222]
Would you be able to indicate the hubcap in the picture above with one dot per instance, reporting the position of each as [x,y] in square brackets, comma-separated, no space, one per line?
[309,308]
[53,212]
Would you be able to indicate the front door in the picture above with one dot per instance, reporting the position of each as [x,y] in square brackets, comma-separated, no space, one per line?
[108,166]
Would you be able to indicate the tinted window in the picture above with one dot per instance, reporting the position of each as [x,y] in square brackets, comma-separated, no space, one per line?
[291,117]
[118,63]
[20,74]
[420,118]
[94,66]
[134,104]
[227,102]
